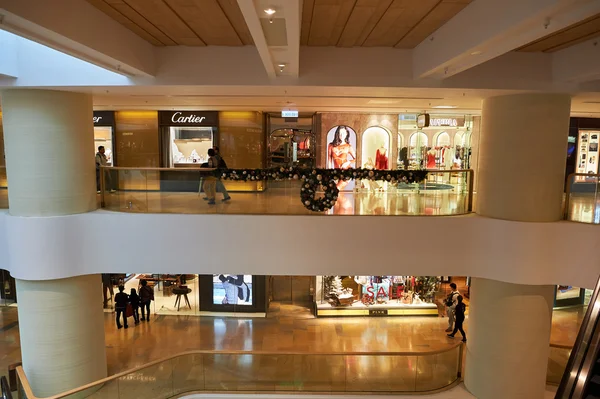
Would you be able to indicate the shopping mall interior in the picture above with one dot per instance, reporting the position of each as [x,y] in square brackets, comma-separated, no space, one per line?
[223,162]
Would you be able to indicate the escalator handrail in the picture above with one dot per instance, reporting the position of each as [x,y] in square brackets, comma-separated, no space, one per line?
[571,379]
[6,393]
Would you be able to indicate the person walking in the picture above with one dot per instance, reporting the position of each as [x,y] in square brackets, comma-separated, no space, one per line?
[450,303]
[146,296]
[210,182]
[101,160]
[221,164]
[459,311]
[134,299]
[121,300]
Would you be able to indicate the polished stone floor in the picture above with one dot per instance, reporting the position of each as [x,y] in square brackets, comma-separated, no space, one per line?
[583,208]
[281,331]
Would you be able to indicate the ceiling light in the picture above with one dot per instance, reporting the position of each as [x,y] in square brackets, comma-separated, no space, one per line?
[281,67]
[445,106]
[477,52]
[270,11]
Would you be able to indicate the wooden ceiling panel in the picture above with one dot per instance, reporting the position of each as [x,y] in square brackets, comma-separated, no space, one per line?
[438,16]
[139,20]
[123,20]
[324,16]
[398,20]
[236,18]
[164,18]
[577,33]
[207,20]
[341,22]
[307,12]
[365,16]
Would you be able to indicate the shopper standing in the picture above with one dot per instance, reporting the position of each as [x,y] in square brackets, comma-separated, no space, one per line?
[459,311]
[210,182]
[451,302]
[134,299]
[221,164]
[146,296]
[121,300]
[101,160]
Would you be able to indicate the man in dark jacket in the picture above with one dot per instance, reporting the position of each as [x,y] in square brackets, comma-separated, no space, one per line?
[121,300]
[146,296]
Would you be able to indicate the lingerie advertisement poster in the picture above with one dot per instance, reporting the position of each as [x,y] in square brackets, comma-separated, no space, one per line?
[341,152]
[232,289]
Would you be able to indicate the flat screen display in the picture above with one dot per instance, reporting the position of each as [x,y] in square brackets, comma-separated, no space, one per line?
[232,289]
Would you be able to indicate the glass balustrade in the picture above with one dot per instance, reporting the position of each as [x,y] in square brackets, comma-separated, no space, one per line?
[205,371]
[582,203]
[181,191]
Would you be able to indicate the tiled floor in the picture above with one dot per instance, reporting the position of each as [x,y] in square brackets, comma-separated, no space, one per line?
[283,331]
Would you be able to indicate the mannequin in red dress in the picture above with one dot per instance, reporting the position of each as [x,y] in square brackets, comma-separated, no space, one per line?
[431,159]
[381,159]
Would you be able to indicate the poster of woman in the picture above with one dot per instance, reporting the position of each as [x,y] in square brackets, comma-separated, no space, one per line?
[341,151]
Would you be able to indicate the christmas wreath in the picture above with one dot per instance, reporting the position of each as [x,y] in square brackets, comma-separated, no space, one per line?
[320,180]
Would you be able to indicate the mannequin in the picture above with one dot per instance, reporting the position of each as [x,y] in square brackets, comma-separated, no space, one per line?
[449,158]
[431,159]
[381,158]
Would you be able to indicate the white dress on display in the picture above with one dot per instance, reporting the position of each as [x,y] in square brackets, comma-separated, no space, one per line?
[449,158]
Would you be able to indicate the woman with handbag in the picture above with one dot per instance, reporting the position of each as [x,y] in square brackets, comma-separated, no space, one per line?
[134,300]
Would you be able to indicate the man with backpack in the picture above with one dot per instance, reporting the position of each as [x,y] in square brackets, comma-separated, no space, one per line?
[450,302]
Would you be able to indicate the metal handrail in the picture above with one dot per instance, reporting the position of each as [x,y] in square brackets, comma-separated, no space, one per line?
[570,183]
[582,360]
[26,387]
[6,393]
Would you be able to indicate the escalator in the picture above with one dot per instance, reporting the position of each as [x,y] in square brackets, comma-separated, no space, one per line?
[581,379]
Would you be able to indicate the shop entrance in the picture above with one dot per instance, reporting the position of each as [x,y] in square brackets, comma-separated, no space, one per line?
[290,296]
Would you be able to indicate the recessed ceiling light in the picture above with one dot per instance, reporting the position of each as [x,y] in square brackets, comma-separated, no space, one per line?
[383,101]
[445,106]
[270,11]
[477,52]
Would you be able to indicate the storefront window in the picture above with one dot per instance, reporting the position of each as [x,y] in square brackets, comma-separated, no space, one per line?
[232,289]
[394,294]
[190,145]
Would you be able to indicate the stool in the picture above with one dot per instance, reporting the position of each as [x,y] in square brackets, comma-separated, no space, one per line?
[179,292]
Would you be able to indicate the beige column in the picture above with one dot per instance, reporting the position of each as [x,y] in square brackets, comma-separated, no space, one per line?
[61,324]
[508,340]
[48,137]
[522,156]
[49,140]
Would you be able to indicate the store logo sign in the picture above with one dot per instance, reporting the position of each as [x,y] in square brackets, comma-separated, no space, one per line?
[97,119]
[178,118]
[443,122]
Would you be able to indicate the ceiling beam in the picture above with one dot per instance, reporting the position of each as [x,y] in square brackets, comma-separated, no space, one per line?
[9,62]
[293,17]
[77,28]
[254,25]
[487,29]
[578,63]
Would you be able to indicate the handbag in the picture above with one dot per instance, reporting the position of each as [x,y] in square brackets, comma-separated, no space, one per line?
[129,310]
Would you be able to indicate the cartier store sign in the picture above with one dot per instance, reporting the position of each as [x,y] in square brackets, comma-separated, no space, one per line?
[104,118]
[189,118]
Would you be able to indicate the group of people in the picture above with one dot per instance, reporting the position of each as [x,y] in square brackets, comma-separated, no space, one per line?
[455,309]
[143,300]
[212,184]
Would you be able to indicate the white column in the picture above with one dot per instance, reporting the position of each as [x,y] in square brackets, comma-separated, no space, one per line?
[508,339]
[61,324]
[49,140]
[522,157]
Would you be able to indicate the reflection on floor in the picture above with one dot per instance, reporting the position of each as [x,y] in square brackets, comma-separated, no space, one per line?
[167,335]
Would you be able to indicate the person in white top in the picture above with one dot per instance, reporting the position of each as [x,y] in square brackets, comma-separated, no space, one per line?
[450,303]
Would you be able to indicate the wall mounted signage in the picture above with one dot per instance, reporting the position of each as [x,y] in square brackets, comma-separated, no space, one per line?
[289,114]
[450,122]
[423,120]
[189,118]
[104,118]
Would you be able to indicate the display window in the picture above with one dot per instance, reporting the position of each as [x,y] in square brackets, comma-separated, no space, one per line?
[419,156]
[232,289]
[291,147]
[190,145]
[104,130]
[567,295]
[587,152]
[376,295]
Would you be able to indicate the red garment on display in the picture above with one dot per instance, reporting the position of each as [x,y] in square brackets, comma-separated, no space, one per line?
[430,161]
[381,160]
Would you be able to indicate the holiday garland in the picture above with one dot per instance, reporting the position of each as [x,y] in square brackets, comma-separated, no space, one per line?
[320,180]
